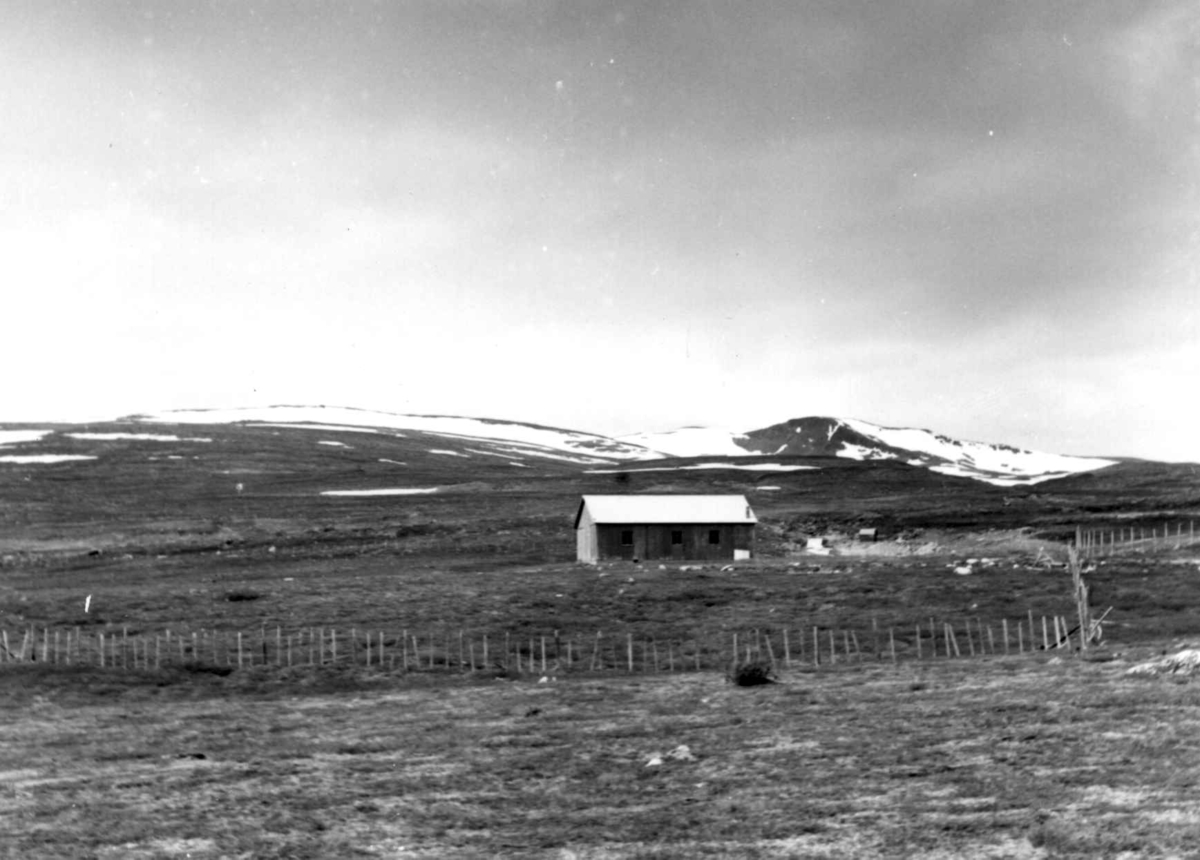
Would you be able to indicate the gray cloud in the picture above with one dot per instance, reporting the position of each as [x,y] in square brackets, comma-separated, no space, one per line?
[836,200]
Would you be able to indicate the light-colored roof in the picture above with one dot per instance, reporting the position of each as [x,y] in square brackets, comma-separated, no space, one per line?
[667,509]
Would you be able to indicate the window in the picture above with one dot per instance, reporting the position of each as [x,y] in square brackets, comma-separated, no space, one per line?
[627,537]
[677,538]
[714,536]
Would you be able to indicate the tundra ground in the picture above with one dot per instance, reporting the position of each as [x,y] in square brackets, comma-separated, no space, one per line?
[1025,755]
[998,757]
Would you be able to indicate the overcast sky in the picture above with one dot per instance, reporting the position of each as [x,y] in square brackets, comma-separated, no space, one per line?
[979,218]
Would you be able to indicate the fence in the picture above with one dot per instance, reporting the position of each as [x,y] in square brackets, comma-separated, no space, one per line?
[1110,541]
[599,652]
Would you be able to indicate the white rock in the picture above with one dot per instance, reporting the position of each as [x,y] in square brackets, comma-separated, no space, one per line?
[681,753]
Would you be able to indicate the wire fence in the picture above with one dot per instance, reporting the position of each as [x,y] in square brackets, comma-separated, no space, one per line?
[461,651]
[1117,540]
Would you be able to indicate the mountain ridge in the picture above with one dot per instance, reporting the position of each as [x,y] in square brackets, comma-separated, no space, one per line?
[810,436]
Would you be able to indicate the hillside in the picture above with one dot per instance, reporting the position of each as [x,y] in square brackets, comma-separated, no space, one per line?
[998,464]
[1002,465]
[148,486]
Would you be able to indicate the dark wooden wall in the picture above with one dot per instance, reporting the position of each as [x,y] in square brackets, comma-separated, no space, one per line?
[653,542]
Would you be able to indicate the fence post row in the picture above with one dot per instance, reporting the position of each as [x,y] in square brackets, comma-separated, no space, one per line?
[461,651]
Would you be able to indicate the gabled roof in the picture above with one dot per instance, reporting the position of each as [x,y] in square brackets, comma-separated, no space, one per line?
[673,510]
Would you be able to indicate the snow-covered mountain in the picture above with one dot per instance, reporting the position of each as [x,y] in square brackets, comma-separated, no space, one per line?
[1003,465]
[513,437]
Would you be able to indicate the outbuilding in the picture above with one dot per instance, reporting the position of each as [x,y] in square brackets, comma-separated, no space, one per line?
[651,528]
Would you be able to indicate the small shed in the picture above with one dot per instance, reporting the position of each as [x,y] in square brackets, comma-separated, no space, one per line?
[871,535]
[649,527]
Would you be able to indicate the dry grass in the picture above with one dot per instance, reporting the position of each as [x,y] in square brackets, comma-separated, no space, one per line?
[992,758]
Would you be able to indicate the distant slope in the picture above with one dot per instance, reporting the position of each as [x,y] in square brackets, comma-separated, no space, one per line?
[997,464]
[500,437]
[1001,465]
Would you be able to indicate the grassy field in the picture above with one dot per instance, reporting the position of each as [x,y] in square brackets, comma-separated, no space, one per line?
[992,758]
[1022,756]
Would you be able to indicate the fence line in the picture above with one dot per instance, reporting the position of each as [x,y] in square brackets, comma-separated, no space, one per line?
[461,651]
[1115,539]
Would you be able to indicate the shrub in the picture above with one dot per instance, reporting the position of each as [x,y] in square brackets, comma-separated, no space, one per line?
[239,596]
[752,674]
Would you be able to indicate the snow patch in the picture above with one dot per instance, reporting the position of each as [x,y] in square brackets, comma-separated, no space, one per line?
[691,442]
[12,437]
[997,464]
[493,454]
[321,417]
[43,458]
[448,453]
[397,491]
[345,428]
[859,452]
[140,437]
[333,444]
[753,467]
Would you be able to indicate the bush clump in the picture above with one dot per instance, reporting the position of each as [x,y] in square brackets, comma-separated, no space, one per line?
[752,674]
[240,596]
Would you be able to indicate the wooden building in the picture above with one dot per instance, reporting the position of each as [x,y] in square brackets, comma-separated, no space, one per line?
[652,528]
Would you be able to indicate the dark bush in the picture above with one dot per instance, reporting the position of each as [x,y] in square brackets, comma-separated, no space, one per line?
[240,596]
[752,674]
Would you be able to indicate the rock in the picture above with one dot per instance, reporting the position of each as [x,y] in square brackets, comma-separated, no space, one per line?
[1186,662]
[681,753]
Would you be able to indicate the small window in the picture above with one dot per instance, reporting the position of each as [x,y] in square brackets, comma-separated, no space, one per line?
[677,538]
[627,537]
[714,536]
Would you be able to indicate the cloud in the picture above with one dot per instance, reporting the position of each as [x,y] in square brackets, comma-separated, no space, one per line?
[1154,69]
